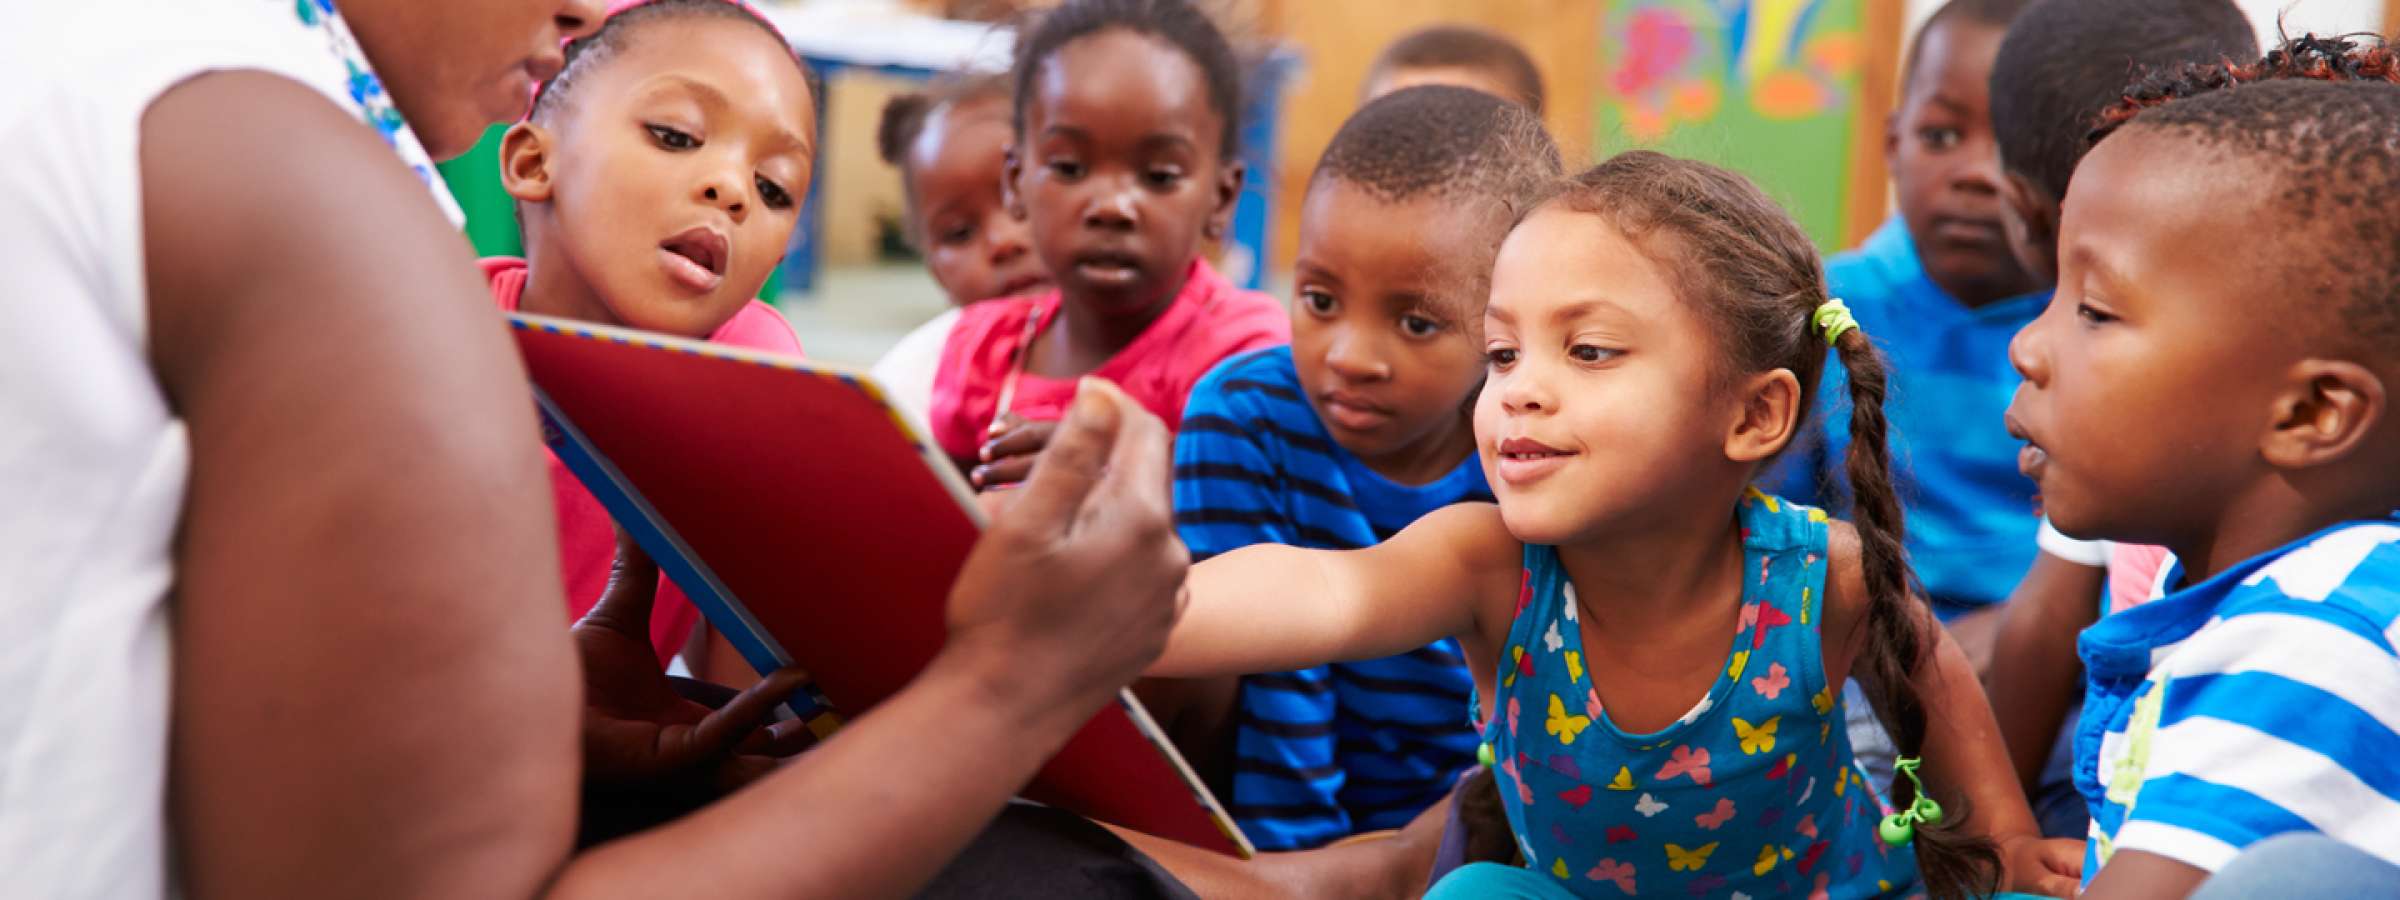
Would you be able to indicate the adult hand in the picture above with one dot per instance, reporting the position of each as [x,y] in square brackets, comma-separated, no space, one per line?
[637,730]
[2050,867]
[1009,455]
[1074,588]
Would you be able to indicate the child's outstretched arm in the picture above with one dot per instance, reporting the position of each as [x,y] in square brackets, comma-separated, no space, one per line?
[1268,608]
[1962,749]
[2035,677]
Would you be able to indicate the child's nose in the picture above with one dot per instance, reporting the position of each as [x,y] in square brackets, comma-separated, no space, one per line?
[1009,239]
[1354,358]
[720,192]
[2027,353]
[1116,209]
[577,18]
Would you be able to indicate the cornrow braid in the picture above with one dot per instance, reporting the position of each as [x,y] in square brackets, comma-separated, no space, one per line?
[2313,122]
[587,53]
[2350,57]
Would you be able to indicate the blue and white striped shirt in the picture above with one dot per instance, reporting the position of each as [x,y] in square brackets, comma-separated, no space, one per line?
[2261,701]
[1323,752]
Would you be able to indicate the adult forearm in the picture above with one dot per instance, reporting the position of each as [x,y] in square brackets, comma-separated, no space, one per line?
[874,812]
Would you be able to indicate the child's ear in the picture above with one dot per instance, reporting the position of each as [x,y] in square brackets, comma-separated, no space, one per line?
[525,163]
[1891,137]
[1768,417]
[2329,409]
[1012,165]
[1229,192]
[2032,225]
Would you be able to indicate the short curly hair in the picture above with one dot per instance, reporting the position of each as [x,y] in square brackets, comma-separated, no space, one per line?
[2315,119]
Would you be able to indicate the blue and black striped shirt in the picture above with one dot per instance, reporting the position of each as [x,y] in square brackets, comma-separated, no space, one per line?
[1324,752]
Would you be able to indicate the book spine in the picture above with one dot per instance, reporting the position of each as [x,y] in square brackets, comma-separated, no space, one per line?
[633,513]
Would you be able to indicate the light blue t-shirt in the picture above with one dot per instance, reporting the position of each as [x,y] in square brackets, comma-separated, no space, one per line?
[1971,518]
[2261,701]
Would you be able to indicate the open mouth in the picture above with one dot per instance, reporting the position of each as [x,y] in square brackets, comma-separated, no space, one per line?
[1108,267]
[2031,459]
[696,258]
[1522,461]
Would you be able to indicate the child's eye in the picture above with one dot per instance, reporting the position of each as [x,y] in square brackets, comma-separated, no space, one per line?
[672,138]
[1940,138]
[1066,168]
[1162,178]
[774,194]
[1591,353]
[1419,326]
[1500,357]
[2093,314]
[955,236]
[1318,302]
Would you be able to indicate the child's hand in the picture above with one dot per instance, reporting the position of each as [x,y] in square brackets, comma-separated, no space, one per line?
[1073,589]
[636,730]
[2050,867]
[1009,455]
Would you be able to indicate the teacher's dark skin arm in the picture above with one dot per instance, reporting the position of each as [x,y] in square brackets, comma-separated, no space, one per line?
[375,695]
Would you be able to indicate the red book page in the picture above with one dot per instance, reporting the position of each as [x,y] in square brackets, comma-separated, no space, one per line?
[824,521]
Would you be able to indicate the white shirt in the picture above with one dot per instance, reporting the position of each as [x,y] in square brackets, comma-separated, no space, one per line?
[908,369]
[92,460]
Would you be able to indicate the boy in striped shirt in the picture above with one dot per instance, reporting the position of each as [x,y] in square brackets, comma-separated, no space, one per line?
[1354,431]
[2226,390]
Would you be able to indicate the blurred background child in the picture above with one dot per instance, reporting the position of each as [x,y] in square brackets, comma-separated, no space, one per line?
[1462,55]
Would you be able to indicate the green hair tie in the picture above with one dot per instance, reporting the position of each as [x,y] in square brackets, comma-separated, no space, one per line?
[1833,320]
[1900,828]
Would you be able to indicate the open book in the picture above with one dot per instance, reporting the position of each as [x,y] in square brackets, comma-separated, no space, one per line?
[814,527]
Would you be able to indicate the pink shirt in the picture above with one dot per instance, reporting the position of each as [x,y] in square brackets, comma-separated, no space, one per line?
[1209,320]
[587,538]
[2133,571]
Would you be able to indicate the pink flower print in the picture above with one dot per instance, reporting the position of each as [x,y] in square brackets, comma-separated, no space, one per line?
[1524,590]
[1772,684]
[1591,704]
[1808,827]
[1612,870]
[1763,563]
[1717,818]
[1749,618]
[1686,761]
[1823,879]
[1508,767]
[1809,859]
[1514,711]
[1769,619]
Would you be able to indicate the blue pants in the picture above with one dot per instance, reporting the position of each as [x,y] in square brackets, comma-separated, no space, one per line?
[2302,866]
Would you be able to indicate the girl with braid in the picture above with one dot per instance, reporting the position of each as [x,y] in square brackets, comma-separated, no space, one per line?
[1658,646]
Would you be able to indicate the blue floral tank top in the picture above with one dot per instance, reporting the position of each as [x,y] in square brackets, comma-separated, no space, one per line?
[1753,793]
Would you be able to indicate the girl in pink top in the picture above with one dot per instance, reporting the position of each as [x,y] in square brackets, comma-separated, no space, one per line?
[1125,166]
[658,185]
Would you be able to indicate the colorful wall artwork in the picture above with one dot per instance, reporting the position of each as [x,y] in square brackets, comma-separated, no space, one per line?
[1772,88]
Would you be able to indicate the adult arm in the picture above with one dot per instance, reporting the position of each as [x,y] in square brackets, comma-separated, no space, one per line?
[373,694]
